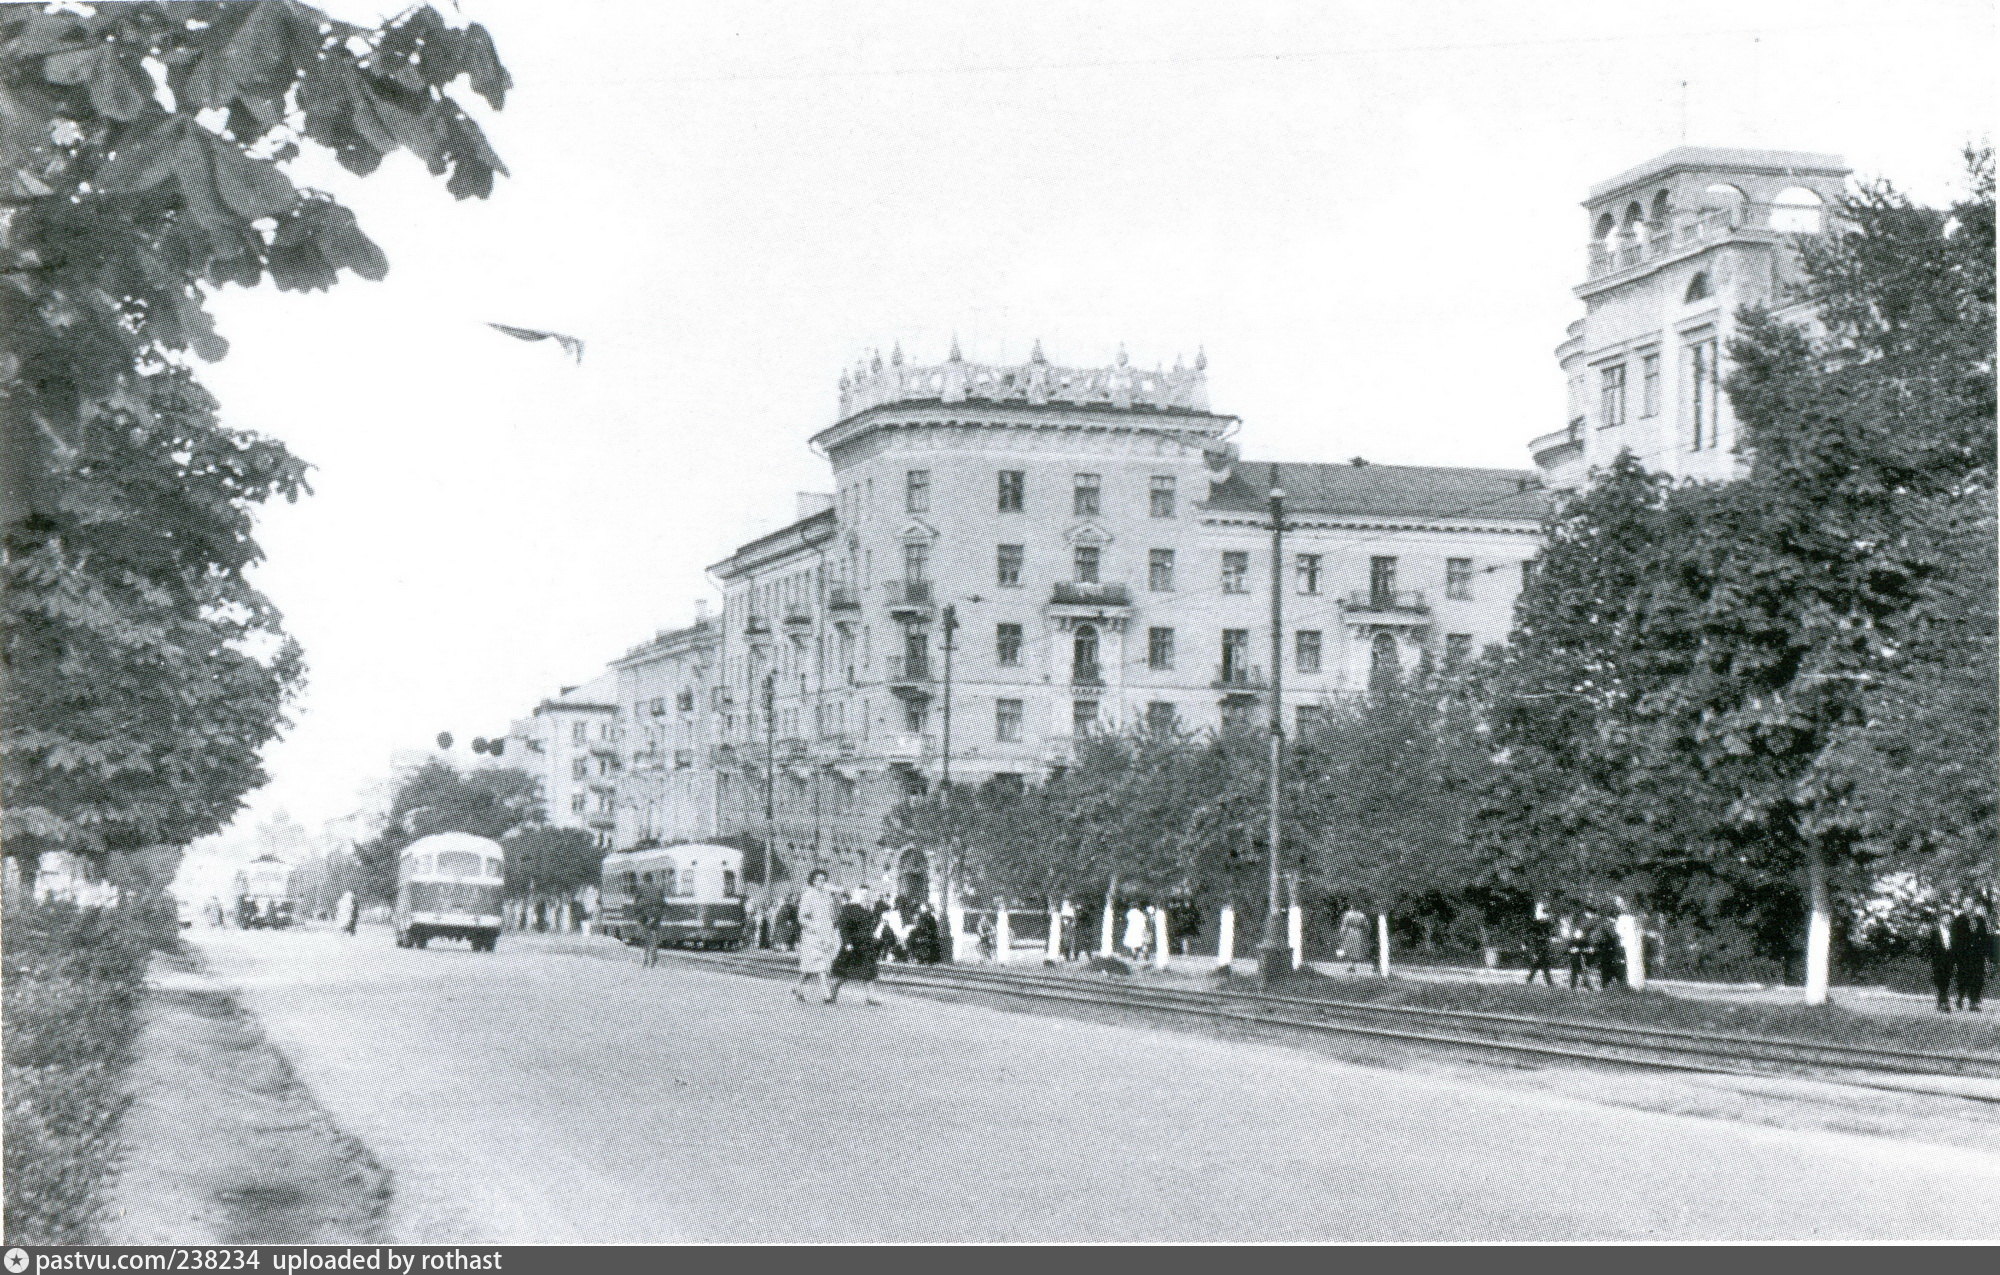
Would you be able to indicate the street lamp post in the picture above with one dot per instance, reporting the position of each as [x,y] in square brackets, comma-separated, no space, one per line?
[948,626]
[1274,953]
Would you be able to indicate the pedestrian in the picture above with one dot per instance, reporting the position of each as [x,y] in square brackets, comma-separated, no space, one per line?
[987,938]
[346,913]
[926,943]
[1944,961]
[1609,954]
[649,911]
[894,934]
[819,935]
[1542,949]
[857,923]
[1135,933]
[785,928]
[1578,951]
[1352,944]
[1067,919]
[1971,948]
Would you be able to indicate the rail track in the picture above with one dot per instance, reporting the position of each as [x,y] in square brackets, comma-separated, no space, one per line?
[1515,1035]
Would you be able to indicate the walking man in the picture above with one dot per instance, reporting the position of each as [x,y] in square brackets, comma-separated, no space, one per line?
[1542,949]
[1971,948]
[1578,951]
[649,909]
[1944,961]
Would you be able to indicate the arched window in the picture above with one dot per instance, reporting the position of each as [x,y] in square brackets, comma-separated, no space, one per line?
[1084,648]
[1662,209]
[1798,211]
[1635,219]
[1697,287]
[1723,203]
[1607,227]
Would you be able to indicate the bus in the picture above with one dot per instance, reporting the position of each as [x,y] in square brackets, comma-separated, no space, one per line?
[448,886]
[264,897]
[701,886]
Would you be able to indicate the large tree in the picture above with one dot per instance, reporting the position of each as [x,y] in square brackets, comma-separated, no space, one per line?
[144,157]
[434,797]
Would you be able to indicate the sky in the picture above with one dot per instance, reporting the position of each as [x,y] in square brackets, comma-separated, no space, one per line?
[1365,214]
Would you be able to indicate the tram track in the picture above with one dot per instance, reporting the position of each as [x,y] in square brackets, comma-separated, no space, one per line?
[1481,1033]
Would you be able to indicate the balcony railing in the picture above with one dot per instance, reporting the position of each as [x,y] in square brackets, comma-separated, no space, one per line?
[798,620]
[1690,228]
[909,668]
[1087,673]
[908,597]
[1388,601]
[908,748]
[756,625]
[1239,677]
[843,597]
[1079,593]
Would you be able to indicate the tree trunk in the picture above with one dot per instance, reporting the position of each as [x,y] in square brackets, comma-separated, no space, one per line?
[1382,944]
[1632,937]
[1106,933]
[1003,933]
[1295,934]
[1162,954]
[1819,927]
[1052,950]
[1225,937]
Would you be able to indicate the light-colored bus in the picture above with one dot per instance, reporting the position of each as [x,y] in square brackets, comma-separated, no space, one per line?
[264,897]
[700,886]
[448,886]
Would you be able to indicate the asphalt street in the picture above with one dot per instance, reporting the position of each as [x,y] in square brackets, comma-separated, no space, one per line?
[543,1095]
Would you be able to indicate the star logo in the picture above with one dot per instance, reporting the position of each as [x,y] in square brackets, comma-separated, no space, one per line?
[17,1261]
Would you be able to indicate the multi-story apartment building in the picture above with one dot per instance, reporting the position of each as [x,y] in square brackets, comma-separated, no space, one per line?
[666,791]
[1677,245]
[1016,556]
[570,744]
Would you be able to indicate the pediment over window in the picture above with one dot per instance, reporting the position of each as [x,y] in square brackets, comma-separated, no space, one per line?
[917,529]
[1087,533]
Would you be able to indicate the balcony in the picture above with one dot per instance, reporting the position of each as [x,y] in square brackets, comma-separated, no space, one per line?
[1240,679]
[789,750]
[1078,593]
[843,597]
[910,675]
[1059,750]
[1765,222]
[909,599]
[841,747]
[1087,673]
[905,748]
[722,755]
[757,626]
[1384,606]
[798,622]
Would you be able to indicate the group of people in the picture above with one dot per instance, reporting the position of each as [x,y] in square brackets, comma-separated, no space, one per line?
[1959,947]
[1592,945]
[843,937]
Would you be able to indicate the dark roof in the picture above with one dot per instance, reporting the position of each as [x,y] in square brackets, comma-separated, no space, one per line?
[1384,491]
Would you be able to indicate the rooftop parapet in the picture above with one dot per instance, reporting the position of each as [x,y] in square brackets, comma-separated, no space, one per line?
[878,382]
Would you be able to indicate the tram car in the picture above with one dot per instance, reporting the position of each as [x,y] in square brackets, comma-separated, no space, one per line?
[264,892]
[449,886]
[700,888]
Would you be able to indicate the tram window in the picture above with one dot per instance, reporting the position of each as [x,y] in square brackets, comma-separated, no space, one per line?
[462,863]
[496,867]
[631,882]
[425,865]
[728,883]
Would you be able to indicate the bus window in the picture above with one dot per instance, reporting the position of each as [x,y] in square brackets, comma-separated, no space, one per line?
[496,867]
[458,863]
[670,882]
[631,882]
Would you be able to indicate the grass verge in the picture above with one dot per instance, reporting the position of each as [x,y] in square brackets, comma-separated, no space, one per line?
[71,980]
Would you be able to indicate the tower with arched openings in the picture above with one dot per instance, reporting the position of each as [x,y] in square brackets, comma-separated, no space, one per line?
[1676,246]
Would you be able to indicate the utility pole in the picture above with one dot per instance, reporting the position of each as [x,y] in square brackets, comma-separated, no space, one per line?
[948,627]
[770,698]
[1275,953]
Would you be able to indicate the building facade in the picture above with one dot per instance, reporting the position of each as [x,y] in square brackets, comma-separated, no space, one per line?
[570,744]
[1677,245]
[666,789]
[1014,557]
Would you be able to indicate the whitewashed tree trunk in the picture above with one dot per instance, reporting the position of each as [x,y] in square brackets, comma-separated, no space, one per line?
[1382,944]
[1225,937]
[954,919]
[1003,934]
[1108,933]
[1819,929]
[1161,937]
[1295,934]
[1632,937]
[1052,950]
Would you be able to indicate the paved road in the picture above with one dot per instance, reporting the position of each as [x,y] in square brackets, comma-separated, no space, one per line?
[558,1096]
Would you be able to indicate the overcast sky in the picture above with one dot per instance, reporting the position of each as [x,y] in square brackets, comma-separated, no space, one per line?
[1365,212]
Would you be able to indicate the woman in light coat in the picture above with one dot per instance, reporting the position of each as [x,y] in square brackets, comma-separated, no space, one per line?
[819,938]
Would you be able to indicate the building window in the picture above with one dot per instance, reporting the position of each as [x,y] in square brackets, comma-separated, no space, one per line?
[1236,571]
[1007,646]
[1307,642]
[1307,570]
[1083,716]
[1236,656]
[1161,718]
[684,701]
[1611,395]
[1649,385]
[1013,491]
[1084,667]
[1007,572]
[1089,558]
[579,768]
[577,803]
[917,491]
[1382,657]
[916,560]
[1382,582]
[579,733]
[1089,500]
[1457,651]
[1159,648]
[1458,579]
[1697,289]
[1703,401]
[1160,570]
[1162,496]
[916,716]
[1007,714]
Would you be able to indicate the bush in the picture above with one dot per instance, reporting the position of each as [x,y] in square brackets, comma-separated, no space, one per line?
[70,985]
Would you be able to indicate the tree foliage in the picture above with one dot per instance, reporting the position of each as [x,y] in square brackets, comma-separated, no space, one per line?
[545,860]
[144,154]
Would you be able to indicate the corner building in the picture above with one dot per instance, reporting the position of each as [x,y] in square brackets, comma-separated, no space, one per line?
[1016,556]
[1676,246]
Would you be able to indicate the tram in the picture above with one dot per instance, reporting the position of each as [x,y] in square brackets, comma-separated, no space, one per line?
[700,886]
[448,886]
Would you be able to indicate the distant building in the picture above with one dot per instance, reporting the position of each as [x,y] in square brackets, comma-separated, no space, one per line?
[1016,556]
[1676,246]
[665,703]
[570,744]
